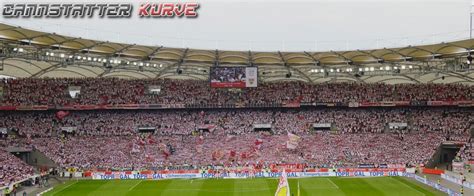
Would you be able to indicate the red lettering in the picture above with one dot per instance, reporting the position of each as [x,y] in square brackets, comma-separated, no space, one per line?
[191,9]
[156,9]
[179,9]
[143,11]
[167,9]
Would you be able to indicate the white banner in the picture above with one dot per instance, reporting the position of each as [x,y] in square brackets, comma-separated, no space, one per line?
[123,175]
[68,129]
[251,79]
[293,141]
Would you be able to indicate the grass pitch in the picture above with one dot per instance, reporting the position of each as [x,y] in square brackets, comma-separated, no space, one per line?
[396,186]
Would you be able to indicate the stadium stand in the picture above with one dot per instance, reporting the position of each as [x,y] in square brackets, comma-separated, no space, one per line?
[115,91]
[12,169]
[110,139]
[390,115]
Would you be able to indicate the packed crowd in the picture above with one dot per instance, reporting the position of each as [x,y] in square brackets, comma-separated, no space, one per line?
[12,169]
[113,91]
[322,149]
[111,139]
[466,153]
[453,123]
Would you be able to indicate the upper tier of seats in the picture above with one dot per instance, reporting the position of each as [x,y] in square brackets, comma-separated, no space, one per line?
[113,91]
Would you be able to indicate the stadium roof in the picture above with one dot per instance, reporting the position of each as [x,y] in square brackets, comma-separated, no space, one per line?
[140,61]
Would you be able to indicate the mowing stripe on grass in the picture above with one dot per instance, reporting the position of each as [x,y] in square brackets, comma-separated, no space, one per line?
[221,191]
[406,185]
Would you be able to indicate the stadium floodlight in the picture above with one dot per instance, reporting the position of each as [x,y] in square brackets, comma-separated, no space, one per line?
[360,69]
[395,67]
[94,59]
[16,49]
[52,53]
[315,71]
[161,65]
[410,67]
[322,70]
[381,68]
[331,70]
[78,57]
[104,61]
[47,53]
[20,49]
[154,65]
[387,68]
[338,70]
[372,68]
[147,64]
[71,56]
[141,64]
[348,69]
[366,69]
[89,58]
[134,63]
[61,55]
[403,67]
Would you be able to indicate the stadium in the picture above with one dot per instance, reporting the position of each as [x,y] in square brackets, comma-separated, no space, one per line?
[82,116]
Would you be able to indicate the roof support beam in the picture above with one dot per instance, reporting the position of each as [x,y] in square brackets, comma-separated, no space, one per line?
[397,52]
[91,46]
[433,55]
[50,68]
[356,78]
[123,49]
[348,61]
[177,64]
[410,78]
[150,56]
[250,58]
[216,57]
[289,68]
[452,73]
[316,62]
[42,35]
[370,54]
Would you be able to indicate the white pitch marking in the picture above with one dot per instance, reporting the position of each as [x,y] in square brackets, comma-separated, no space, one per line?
[135,185]
[330,181]
[64,188]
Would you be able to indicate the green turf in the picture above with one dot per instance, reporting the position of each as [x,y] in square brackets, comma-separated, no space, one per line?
[248,187]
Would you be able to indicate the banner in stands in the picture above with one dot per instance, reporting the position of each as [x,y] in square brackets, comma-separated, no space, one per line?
[293,141]
[433,184]
[68,129]
[233,77]
[457,179]
[166,106]
[261,174]
[397,125]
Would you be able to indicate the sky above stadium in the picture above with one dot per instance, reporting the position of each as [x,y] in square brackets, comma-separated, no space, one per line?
[264,25]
